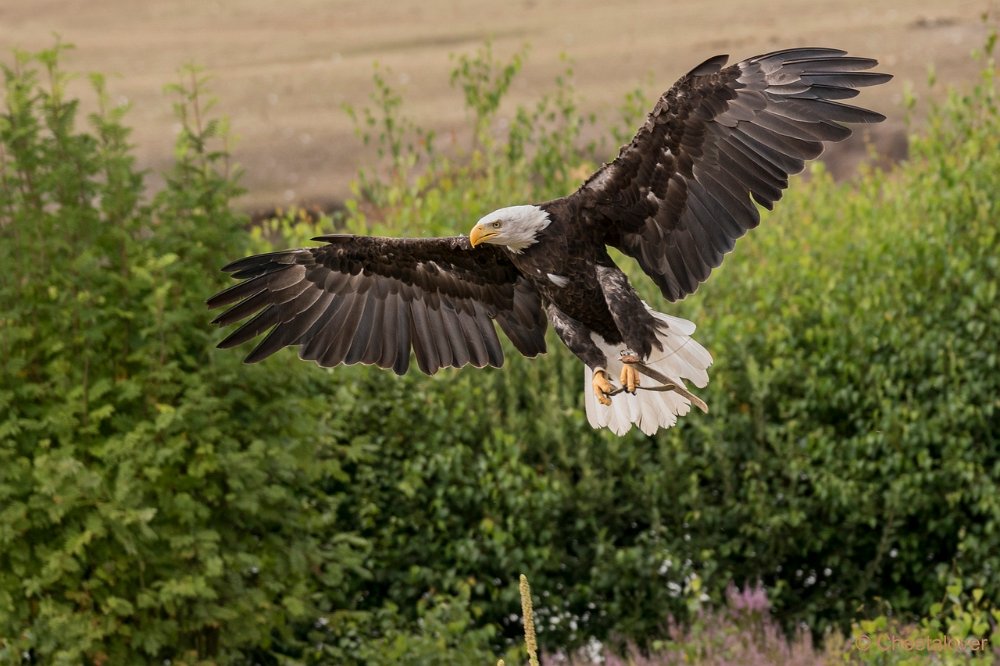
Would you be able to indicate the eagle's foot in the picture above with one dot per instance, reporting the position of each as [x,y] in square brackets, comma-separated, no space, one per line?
[602,387]
[629,378]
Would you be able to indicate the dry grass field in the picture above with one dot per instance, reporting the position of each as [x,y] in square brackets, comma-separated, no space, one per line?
[282,70]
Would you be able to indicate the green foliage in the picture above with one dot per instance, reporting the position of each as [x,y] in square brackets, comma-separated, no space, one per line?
[157,500]
[397,140]
[445,634]
[160,500]
[484,83]
[960,628]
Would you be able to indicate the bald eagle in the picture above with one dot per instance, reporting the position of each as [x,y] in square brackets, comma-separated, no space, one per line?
[675,199]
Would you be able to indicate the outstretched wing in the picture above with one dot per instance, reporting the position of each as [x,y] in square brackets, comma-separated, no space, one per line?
[679,195]
[362,299]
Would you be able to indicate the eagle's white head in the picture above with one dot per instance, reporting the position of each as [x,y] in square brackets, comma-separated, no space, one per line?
[517,227]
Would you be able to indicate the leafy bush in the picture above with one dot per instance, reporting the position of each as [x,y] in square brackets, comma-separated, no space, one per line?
[159,500]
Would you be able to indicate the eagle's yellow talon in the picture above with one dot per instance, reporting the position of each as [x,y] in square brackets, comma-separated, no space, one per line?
[630,378]
[602,387]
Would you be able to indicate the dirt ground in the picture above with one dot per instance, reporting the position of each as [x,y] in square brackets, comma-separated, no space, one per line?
[282,70]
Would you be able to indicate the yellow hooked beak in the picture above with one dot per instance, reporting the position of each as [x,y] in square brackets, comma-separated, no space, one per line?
[480,235]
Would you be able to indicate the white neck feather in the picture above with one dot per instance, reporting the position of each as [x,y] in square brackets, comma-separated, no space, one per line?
[522,224]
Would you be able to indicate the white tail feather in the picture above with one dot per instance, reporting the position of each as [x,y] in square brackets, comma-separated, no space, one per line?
[681,358]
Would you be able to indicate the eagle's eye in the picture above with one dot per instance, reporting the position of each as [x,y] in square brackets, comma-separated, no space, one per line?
[496,225]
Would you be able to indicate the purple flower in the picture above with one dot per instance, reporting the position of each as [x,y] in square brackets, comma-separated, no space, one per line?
[749,600]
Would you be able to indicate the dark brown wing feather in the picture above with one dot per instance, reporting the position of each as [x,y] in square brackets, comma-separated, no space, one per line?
[362,299]
[679,195]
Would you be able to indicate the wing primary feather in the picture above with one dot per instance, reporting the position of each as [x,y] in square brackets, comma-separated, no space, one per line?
[455,337]
[262,321]
[344,333]
[478,354]
[706,211]
[380,335]
[244,308]
[423,343]
[753,180]
[777,59]
[398,356]
[238,291]
[818,109]
[846,79]
[439,335]
[742,215]
[822,92]
[788,145]
[261,263]
[806,131]
[286,332]
[488,332]
[685,255]
[759,161]
[787,163]
[362,334]
[321,334]
[841,64]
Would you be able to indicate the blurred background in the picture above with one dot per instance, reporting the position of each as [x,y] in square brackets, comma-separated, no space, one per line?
[283,70]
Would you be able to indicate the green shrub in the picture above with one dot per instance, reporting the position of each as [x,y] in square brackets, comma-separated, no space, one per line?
[157,500]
